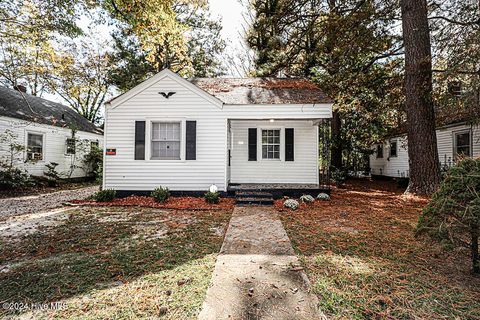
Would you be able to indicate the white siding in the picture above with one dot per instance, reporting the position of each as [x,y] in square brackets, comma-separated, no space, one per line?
[398,167]
[303,169]
[54,146]
[122,172]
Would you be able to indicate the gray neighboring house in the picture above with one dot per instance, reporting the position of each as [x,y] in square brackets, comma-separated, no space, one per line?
[44,128]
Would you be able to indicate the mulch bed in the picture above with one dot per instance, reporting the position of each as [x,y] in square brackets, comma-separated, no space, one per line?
[181,203]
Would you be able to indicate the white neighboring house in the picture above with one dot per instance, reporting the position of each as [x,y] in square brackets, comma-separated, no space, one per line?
[43,128]
[189,135]
[390,158]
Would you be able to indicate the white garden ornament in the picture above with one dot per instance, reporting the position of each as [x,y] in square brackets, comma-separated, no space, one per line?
[306,198]
[323,196]
[213,188]
[291,203]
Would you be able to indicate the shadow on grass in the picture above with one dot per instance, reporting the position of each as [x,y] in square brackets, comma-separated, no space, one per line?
[91,251]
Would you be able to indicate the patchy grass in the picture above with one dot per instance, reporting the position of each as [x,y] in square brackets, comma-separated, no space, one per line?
[364,261]
[116,263]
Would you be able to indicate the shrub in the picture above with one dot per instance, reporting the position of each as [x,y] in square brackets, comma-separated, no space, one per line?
[105,195]
[453,214]
[14,178]
[339,176]
[306,198]
[51,174]
[291,203]
[212,197]
[93,162]
[160,194]
[323,196]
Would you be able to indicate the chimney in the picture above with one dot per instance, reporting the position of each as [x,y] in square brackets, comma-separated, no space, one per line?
[20,88]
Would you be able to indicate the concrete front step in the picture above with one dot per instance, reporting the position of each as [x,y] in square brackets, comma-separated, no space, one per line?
[259,198]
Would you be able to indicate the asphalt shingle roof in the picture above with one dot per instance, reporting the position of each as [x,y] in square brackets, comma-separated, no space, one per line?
[24,106]
[263,90]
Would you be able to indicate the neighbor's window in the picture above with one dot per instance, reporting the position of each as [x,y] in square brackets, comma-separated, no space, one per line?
[71,144]
[34,146]
[380,151]
[166,140]
[271,144]
[462,145]
[393,148]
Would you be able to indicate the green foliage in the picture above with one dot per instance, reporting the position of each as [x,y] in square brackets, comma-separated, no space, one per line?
[160,194]
[52,174]
[212,197]
[339,176]
[14,178]
[105,195]
[132,63]
[94,162]
[453,214]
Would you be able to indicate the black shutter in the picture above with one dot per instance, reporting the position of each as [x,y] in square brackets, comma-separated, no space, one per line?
[139,140]
[191,140]
[252,144]
[289,144]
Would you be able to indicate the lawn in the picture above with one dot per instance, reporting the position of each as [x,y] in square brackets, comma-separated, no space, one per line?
[113,262]
[364,261]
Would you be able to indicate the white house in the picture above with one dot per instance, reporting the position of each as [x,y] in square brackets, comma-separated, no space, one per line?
[188,135]
[44,129]
[390,158]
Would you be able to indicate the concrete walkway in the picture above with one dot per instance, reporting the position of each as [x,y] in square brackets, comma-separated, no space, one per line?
[257,275]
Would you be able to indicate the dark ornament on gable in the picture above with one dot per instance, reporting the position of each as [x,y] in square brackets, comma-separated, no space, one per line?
[167,95]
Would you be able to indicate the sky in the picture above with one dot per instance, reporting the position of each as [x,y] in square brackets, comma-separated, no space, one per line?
[231,14]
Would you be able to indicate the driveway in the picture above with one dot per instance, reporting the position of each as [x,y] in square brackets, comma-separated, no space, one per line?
[43,202]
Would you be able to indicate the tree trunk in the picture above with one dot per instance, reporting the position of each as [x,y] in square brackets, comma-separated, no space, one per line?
[422,141]
[336,141]
[474,249]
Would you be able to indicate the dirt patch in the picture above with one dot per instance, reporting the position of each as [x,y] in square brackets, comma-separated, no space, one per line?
[15,228]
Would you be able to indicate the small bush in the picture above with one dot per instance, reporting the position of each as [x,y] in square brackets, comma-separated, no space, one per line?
[291,203]
[306,198]
[160,194]
[212,197]
[105,195]
[14,178]
[339,176]
[453,214]
[51,174]
[323,196]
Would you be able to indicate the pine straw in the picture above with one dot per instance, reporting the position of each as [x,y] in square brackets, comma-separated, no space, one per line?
[365,262]
[181,203]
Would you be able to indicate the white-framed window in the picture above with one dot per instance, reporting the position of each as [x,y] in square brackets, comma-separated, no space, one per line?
[271,144]
[71,145]
[462,143]
[379,151]
[166,140]
[393,149]
[34,146]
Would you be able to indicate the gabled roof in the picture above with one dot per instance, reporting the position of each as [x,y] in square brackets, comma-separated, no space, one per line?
[263,90]
[238,91]
[20,105]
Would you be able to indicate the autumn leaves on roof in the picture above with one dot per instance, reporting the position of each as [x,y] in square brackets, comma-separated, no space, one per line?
[263,90]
